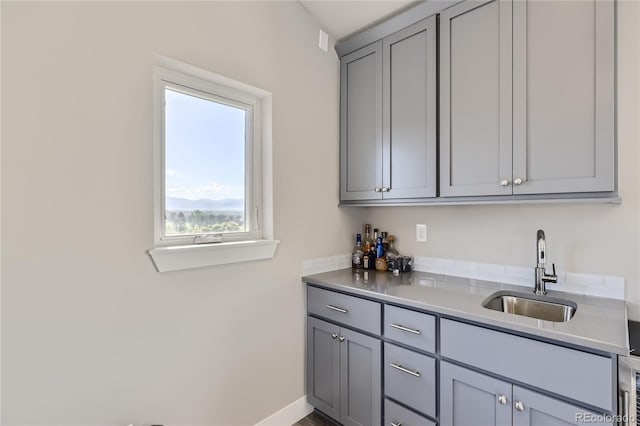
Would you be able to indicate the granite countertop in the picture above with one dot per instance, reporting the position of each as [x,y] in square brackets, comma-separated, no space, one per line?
[599,323]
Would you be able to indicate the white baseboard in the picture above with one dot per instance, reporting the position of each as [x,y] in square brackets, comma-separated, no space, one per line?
[289,415]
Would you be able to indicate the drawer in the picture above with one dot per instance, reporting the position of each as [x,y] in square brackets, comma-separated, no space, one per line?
[410,377]
[410,327]
[395,414]
[348,310]
[572,373]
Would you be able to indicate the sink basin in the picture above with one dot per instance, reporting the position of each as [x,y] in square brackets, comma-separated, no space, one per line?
[531,305]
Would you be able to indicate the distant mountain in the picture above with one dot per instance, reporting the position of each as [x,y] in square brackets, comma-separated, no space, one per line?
[226,204]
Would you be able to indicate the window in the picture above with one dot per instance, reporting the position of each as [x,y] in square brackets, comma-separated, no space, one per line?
[208,144]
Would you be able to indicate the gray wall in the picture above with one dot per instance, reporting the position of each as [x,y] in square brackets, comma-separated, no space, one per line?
[91,333]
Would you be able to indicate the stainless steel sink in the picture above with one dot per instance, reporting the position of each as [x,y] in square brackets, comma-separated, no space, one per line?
[531,305]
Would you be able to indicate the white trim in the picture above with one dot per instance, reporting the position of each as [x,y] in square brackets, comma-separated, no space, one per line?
[259,243]
[176,258]
[289,415]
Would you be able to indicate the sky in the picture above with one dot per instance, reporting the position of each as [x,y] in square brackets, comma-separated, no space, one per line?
[204,148]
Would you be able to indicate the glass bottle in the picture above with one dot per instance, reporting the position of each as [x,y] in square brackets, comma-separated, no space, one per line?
[367,243]
[356,253]
[392,249]
[381,261]
[385,241]
[375,236]
[372,257]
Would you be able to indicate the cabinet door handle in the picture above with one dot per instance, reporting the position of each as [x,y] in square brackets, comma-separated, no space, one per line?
[341,338]
[335,308]
[408,330]
[502,399]
[504,182]
[385,189]
[405,370]
[377,189]
[396,424]
[334,335]
[519,406]
[518,181]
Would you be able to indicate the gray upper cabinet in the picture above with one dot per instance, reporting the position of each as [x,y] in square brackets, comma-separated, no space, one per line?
[564,134]
[361,124]
[409,112]
[388,117]
[527,106]
[475,99]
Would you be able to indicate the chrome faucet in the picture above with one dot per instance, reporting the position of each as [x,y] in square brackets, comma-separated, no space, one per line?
[541,266]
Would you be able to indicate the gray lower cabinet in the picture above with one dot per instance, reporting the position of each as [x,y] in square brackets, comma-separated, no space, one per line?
[397,415]
[527,107]
[344,373]
[469,398]
[388,117]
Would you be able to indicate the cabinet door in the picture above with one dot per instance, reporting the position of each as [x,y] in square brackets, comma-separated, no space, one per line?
[361,124]
[476,99]
[409,112]
[360,380]
[468,398]
[323,366]
[539,410]
[563,96]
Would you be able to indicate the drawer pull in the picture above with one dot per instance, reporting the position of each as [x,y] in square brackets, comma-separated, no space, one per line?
[408,330]
[335,308]
[396,424]
[405,370]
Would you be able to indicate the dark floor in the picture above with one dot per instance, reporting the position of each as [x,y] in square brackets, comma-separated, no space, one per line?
[316,419]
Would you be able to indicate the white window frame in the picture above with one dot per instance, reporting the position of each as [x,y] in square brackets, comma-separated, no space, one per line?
[187,251]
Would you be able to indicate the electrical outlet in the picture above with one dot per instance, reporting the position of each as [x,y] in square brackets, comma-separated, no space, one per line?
[421,233]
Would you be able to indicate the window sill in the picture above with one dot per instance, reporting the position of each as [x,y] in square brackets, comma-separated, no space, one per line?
[176,258]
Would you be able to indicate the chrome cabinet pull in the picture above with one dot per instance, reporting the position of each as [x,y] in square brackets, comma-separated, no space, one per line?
[396,424]
[385,189]
[518,181]
[405,370]
[334,308]
[341,339]
[408,330]
[519,406]
[334,335]
[502,399]
[504,182]
[377,189]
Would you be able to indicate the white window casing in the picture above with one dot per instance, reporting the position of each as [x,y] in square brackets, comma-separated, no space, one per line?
[175,252]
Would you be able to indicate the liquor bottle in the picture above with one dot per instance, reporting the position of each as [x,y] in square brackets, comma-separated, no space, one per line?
[372,257]
[381,261]
[375,236]
[356,253]
[367,243]
[379,248]
[392,249]
[385,241]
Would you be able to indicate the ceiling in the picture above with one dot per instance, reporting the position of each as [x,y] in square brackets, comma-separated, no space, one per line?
[342,18]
